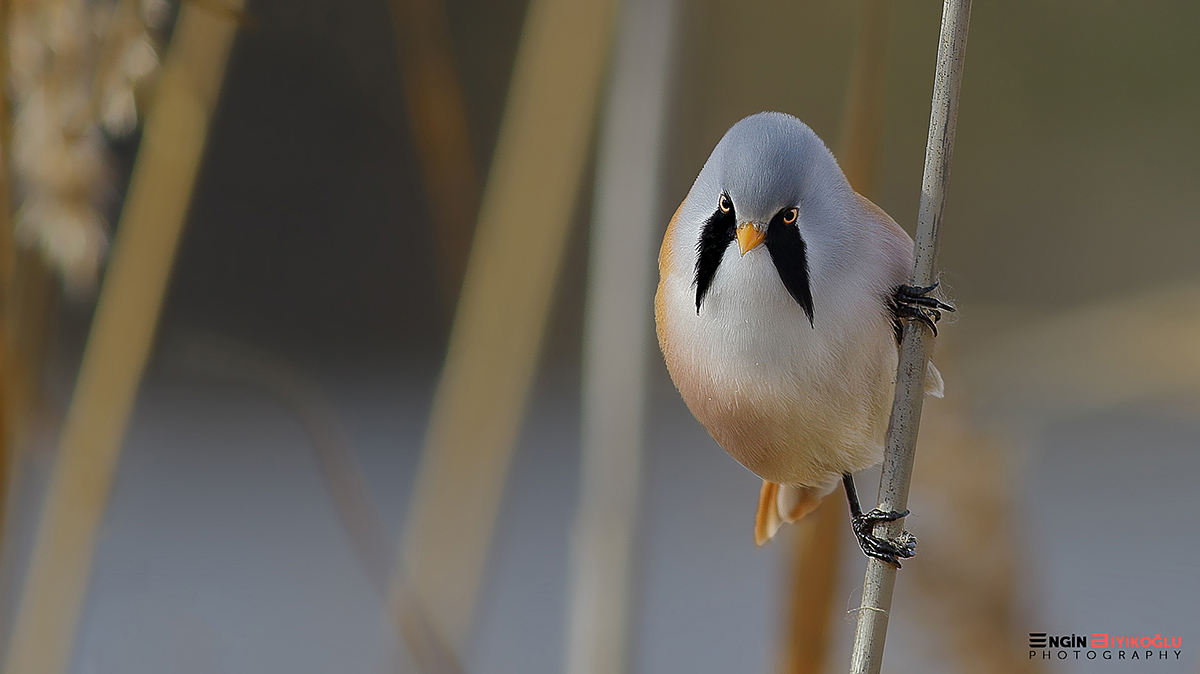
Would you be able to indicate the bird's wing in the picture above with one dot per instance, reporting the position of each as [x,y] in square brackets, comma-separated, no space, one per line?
[885,219]
[934,385]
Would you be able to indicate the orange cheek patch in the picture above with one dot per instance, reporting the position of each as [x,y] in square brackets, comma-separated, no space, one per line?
[665,256]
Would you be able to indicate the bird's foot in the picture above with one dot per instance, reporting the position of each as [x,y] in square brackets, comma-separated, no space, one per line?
[914,304]
[890,551]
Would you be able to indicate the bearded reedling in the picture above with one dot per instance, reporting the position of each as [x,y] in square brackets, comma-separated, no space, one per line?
[787,353]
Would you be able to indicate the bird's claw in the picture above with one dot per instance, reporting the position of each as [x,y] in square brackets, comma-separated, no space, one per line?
[913,303]
[880,548]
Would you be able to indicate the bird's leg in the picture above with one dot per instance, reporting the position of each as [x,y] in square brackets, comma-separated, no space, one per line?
[864,525]
[914,304]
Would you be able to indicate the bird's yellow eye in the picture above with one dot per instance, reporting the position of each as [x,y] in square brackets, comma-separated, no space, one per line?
[725,204]
[790,215]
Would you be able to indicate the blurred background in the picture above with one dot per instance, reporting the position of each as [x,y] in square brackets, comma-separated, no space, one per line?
[327,340]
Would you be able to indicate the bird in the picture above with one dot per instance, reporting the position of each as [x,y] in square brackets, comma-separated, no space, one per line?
[780,306]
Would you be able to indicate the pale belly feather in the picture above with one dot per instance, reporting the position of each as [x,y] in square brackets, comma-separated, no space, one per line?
[795,403]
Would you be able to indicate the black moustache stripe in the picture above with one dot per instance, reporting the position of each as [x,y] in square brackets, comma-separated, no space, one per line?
[790,255]
[715,237]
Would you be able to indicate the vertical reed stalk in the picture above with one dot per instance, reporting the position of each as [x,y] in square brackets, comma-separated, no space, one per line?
[862,125]
[813,574]
[7,262]
[917,342]
[506,297]
[7,247]
[119,343]
[437,112]
[617,337]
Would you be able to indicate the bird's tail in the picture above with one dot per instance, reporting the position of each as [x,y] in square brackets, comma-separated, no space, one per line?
[779,503]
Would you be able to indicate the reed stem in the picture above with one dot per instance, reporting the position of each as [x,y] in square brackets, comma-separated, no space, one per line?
[119,342]
[510,279]
[917,342]
[617,339]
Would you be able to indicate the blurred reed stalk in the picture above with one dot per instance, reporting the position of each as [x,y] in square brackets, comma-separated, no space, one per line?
[814,570]
[30,296]
[917,342]
[234,363]
[626,213]
[120,339]
[510,280]
[7,255]
[9,356]
[27,302]
[862,125]
[970,563]
[7,261]
[231,362]
[438,114]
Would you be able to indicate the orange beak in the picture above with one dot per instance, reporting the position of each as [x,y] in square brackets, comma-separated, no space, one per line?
[749,237]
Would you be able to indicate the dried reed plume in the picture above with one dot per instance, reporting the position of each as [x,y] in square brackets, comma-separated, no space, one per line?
[77,68]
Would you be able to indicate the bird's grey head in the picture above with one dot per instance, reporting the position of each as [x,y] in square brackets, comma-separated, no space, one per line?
[769,181]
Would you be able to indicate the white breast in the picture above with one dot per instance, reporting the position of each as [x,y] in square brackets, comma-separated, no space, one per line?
[793,402]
